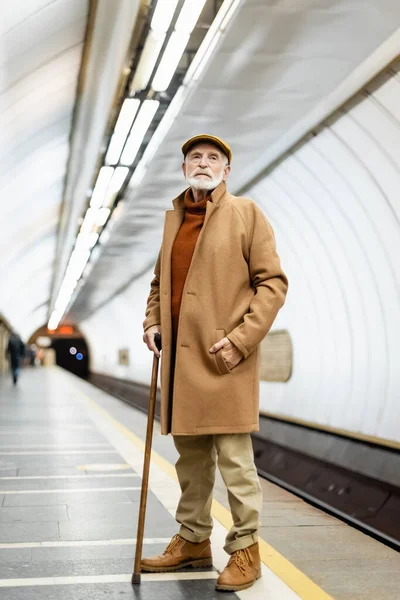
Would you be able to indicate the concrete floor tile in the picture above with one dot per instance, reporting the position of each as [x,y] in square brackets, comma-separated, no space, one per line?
[276,521]
[67,484]
[359,579]
[109,511]
[293,515]
[331,543]
[60,438]
[38,461]
[164,590]
[6,472]
[28,532]
[13,555]
[134,495]
[55,498]
[51,470]
[94,552]
[21,484]
[7,466]
[66,568]
[33,514]
[160,525]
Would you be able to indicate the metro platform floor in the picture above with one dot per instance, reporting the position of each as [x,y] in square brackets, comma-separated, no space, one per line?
[70,463]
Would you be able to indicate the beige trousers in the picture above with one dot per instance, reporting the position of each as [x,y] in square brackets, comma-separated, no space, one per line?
[195,467]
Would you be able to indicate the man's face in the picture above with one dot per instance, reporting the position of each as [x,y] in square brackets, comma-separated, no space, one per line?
[205,166]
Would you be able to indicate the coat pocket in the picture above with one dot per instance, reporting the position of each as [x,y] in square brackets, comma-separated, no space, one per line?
[219,359]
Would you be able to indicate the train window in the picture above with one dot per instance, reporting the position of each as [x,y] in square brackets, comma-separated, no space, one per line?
[276,356]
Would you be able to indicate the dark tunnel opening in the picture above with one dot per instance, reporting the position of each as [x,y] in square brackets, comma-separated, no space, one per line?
[72,354]
[66,347]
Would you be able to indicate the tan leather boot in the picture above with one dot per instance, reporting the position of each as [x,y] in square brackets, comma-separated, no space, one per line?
[179,553]
[242,570]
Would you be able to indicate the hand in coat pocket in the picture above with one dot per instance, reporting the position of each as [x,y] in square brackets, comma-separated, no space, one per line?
[231,355]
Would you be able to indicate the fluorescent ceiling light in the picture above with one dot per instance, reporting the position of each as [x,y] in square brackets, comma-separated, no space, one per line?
[170,60]
[77,263]
[122,127]
[100,188]
[64,295]
[87,240]
[115,185]
[163,15]
[148,59]
[89,222]
[54,321]
[189,15]
[138,131]
[127,114]
[102,216]
[115,148]
[224,17]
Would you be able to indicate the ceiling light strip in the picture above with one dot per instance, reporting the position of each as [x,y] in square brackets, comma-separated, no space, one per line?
[139,130]
[189,15]
[86,240]
[100,188]
[163,15]
[202,57]
[147,62]
[177,43]
[170,60]
[126,117]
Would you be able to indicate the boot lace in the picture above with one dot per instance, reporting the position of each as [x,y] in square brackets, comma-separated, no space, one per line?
[241,558]
[175,541]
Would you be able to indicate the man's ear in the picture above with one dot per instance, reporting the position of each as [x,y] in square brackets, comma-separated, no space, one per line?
[184,168]
[227,170]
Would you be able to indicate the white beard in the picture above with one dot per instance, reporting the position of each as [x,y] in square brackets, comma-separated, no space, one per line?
[206,183]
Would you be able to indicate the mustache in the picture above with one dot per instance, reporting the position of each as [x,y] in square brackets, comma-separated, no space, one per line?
[202,172]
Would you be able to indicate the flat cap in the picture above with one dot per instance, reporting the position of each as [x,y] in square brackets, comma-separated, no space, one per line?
[211,139]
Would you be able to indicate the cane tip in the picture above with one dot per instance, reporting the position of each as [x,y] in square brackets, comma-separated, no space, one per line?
[135,579]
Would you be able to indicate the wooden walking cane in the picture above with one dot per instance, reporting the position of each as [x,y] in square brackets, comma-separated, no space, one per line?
[146,465]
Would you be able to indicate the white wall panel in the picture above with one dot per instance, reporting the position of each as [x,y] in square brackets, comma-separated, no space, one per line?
[334,204]
[119,325]
[336,198]
[40,55]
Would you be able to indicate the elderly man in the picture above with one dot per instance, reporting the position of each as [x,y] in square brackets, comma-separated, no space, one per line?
[217,289]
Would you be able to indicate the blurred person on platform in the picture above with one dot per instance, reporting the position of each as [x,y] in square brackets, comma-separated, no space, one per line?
[217,289]
[15,353]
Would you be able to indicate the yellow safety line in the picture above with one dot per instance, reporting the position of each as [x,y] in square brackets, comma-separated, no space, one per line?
[283,568]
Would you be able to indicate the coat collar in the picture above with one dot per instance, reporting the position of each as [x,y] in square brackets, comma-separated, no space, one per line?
[216,196]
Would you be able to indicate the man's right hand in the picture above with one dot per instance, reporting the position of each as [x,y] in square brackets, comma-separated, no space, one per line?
[148,338]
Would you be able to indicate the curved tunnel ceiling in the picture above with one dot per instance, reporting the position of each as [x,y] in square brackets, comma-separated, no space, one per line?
[277,62]
[290,57]
[40,56]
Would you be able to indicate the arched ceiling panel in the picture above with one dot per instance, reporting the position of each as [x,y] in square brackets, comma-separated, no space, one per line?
[40,58]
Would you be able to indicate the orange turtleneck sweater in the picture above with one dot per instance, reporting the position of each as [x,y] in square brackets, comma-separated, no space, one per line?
[182,252]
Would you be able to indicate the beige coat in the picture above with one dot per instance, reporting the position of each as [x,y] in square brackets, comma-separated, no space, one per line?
[235,287]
